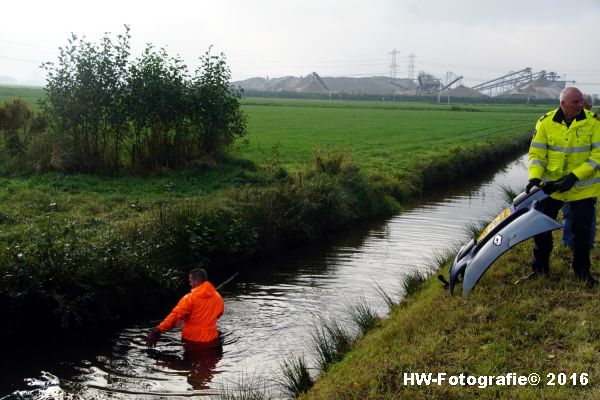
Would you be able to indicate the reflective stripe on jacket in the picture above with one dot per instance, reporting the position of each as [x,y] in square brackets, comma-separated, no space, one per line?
[199,311]
[558,149]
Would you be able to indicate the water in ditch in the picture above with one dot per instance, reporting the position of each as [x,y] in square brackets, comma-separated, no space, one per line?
[270,308]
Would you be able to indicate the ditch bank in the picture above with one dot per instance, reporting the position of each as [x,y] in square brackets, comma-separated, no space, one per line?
[61,281]
[547,329]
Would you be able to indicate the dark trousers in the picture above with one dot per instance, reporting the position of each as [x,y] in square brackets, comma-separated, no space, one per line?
[582,212]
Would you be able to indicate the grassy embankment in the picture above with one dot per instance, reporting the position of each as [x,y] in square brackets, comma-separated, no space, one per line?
[548,326]
[81,249]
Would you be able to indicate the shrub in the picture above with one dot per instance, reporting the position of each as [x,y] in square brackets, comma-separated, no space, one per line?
[15,118]
[215,105]
[105,111]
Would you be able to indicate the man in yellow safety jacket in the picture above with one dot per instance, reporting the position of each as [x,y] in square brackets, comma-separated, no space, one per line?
[564,158]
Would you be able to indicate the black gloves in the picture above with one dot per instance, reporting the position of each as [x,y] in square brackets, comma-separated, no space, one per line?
[561,185]
[532,183]
[152,337]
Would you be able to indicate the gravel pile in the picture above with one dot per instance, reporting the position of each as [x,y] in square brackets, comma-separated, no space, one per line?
[315,84]
[540,88]
[461,91]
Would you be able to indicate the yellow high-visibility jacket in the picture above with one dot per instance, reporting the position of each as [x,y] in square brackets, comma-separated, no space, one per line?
[556,150]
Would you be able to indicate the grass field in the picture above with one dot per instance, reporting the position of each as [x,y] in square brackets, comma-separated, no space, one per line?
[104,199]
[380,136]
[29,94]
[93,240]
[384,137]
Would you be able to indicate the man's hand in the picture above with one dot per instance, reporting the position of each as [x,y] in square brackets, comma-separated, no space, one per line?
[561,185]
[532,183]
[152,337]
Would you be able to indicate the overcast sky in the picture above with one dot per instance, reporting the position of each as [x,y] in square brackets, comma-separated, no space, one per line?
[478,39]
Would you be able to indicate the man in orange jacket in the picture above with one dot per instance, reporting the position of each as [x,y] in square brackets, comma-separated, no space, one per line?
[199,311]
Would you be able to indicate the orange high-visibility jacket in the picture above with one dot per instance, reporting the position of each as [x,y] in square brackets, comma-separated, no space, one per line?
[199,311]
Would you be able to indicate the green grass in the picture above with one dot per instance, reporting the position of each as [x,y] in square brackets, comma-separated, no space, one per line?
[380,137]
[76,246]
[29,94]
[25,200]
[282,133]
[542,326]
[548,326]
[393,105]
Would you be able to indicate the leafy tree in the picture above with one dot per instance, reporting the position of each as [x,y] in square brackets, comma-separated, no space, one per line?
[85,98]
[105,111]
[215,105]
[157,106]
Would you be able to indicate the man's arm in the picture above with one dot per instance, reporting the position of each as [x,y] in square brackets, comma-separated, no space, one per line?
[538,151]
[181,310]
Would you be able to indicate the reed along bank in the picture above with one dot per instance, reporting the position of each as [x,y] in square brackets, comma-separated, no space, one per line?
[549,327]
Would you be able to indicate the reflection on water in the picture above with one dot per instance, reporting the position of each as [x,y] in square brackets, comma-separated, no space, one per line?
[269,309]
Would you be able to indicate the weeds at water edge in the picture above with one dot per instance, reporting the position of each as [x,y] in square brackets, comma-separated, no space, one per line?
[246,387]
[363,315]
[413,282]
[295,377]
[508,193]
[389,300]
[474,228]
[330,341]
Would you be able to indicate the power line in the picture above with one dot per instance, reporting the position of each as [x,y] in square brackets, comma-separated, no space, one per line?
[358,75]
[20,59]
